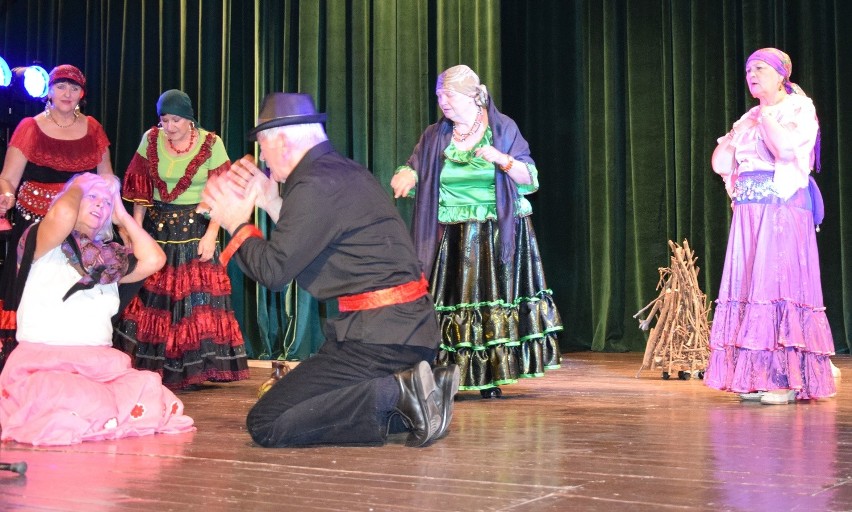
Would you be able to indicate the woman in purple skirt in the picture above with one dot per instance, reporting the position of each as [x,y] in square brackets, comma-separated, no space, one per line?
[770,338]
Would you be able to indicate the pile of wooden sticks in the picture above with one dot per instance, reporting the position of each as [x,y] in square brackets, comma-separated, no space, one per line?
[678,342]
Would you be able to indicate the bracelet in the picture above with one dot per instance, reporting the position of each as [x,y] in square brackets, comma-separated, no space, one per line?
[242,234]
[505,168]
[409,169]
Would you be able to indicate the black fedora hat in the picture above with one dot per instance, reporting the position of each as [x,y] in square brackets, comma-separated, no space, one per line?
[285,108]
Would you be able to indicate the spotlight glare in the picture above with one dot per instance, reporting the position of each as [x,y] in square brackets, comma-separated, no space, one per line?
[31,80]
[5,73]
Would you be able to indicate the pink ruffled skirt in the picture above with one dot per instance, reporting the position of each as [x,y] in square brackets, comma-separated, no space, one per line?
[769,329]
[61,395]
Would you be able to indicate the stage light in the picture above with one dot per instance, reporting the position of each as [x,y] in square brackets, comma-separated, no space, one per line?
[5,73]
[32,79]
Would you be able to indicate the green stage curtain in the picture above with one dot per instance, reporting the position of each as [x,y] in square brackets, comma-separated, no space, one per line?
[621,102]
[370,64]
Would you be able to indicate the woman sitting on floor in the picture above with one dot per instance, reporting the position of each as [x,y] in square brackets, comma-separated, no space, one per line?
[64,383]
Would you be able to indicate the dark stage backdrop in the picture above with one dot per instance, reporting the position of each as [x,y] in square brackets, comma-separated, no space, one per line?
[621,102]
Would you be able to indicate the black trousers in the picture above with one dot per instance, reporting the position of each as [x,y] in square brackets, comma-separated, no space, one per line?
[338,396]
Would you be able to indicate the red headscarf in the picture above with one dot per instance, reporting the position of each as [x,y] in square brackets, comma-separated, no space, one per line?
[68,72]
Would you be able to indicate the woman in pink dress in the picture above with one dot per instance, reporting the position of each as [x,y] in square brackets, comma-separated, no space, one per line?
[770,339]
[64,383]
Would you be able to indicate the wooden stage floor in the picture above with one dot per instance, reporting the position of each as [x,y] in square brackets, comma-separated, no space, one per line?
[589,436]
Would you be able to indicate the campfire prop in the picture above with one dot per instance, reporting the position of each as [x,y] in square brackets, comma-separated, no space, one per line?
[678,342]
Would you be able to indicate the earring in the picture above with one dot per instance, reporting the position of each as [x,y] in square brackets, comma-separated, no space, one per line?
[192,124]
[77,110]
[47,108]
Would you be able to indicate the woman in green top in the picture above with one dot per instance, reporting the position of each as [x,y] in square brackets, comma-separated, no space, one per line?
[181,324]
[474,237]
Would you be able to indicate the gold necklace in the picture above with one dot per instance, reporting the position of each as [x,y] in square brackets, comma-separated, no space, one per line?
[459,137]
[47,115]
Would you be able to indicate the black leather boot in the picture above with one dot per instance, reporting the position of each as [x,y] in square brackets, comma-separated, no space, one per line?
[418,404]
[447,381]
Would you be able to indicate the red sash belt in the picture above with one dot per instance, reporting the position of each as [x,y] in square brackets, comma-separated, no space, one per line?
[400,294]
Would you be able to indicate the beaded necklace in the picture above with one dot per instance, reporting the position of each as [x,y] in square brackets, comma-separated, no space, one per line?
[458,137]
[192,137]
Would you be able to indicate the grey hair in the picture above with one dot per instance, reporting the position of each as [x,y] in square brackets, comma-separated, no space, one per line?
[113,185]
[309,134]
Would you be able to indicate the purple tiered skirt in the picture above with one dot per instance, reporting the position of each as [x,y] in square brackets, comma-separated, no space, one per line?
[769,329]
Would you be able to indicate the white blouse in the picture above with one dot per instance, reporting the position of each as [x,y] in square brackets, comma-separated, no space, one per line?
[84,319]
[797,114]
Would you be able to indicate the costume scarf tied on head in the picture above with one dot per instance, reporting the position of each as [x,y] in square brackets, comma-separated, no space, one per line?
[68,72]
[781,63]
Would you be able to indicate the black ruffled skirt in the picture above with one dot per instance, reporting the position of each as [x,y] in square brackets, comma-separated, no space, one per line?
[498,322]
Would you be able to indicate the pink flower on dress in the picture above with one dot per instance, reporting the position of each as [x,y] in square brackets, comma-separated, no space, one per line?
[138,411]
[174,408]
[4,393]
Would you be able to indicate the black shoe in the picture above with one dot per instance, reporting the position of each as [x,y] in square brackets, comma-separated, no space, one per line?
[417,404]
[447,381]
[491,393]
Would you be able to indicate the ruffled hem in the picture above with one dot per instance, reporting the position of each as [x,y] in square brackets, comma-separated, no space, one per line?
[497,344]
[740,370]
[501,365]
[138,187]
[194,276]
[210,362]
[481,325]
[770,326]
[155,326]
[8,319]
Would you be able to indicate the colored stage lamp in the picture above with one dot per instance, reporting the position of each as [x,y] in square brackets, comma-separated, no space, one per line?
[5,73]
[32,79]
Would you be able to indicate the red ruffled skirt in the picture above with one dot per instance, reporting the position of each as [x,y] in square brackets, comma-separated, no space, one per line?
[181,324]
